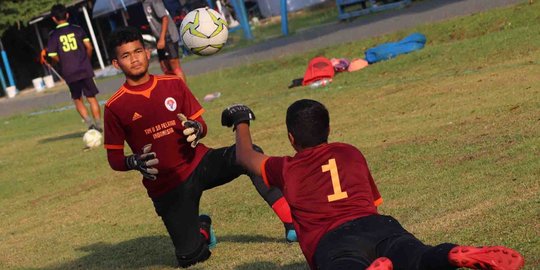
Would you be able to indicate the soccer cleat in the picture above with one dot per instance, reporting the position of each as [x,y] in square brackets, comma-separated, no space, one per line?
[381,263]
[205,224]
[290,233]
[486,258]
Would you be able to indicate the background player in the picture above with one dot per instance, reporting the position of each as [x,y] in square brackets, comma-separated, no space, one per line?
[69,46]
[162,123]
[334,200]
[166,33]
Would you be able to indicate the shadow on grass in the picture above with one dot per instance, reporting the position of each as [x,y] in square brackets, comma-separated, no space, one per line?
[271,265]
[63,137]
[244,238]
[149,251]
[143,252]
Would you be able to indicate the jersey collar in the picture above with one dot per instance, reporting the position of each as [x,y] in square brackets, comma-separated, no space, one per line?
[62,25]
[144,89]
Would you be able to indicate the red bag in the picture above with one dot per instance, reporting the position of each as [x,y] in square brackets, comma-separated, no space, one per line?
[318,68]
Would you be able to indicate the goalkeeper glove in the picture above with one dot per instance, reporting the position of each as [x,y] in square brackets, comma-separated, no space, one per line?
[236,114]
[144,163]
[192,129]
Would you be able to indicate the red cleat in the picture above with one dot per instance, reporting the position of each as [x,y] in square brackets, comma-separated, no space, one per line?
[381,263]
[486,258]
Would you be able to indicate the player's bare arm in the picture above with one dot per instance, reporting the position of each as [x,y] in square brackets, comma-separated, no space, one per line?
[238,117]
[54,59]
[89,48]
[245,155]
[164,26]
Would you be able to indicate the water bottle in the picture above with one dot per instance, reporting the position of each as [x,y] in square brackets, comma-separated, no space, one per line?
[320,83]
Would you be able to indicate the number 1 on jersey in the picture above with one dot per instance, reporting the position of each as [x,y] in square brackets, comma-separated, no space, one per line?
[338,194]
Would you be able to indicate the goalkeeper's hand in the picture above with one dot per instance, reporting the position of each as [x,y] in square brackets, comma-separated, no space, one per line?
[144,163]
[192,129]
[236,114]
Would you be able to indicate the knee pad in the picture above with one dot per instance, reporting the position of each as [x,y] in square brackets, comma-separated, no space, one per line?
[201,254]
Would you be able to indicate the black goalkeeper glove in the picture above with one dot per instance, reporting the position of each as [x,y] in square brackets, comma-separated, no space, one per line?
[144,162]
[192,129]
[236,114]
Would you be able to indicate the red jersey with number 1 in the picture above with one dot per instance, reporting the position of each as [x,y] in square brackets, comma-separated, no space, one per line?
[325,186]
[147,113]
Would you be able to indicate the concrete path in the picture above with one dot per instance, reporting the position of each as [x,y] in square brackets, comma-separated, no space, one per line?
[361,28]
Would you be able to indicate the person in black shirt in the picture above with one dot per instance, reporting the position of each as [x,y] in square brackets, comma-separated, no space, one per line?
[70,47]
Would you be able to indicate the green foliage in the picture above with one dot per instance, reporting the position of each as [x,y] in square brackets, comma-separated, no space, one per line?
[20,12]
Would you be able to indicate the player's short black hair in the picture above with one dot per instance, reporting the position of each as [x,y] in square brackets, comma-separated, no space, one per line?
[309,122]
[123,35]
[59,11]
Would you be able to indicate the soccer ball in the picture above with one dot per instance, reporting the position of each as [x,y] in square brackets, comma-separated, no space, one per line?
[204,31]
[92,138]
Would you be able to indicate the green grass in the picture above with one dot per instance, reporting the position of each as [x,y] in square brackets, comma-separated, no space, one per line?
[451,133]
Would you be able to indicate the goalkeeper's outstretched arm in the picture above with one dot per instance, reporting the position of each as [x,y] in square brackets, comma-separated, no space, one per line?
[245,155]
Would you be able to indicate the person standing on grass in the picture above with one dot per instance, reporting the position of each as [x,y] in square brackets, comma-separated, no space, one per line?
[70,47]
[166,33]
[162,123]
[334,200]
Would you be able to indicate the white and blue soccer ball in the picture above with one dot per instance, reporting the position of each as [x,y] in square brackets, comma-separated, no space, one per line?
[92,138]
[204,31]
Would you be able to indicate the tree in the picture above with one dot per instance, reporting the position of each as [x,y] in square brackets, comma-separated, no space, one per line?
[20,12]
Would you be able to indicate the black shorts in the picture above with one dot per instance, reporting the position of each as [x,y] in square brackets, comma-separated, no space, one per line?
[85,86]
[179,208]
[169,52]
[357,243]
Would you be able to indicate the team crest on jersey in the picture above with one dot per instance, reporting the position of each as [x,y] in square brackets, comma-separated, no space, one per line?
[170,104]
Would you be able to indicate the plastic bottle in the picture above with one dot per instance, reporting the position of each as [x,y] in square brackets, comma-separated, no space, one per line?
[320,83]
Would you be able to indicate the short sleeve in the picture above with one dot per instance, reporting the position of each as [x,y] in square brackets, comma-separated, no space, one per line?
[159,9]
[81,34]
[272,171]
[191,108]
[377,199]
[52,46]
[114,133]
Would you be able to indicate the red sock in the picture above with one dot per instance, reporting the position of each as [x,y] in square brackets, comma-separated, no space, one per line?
[204,234]
[282,210]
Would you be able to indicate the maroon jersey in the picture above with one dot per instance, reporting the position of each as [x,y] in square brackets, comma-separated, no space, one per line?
[325,186]
[146,114]
[66,42]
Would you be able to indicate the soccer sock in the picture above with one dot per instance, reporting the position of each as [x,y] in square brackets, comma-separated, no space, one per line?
[88,121]
[98,123]
[205,235]
[282,210]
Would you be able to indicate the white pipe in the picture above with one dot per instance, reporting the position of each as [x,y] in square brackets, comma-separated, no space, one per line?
[94,41]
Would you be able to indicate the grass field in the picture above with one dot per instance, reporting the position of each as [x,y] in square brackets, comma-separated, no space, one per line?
[451,133]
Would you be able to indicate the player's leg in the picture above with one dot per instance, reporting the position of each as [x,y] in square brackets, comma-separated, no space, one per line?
[76,88]
[407,252]
[274,198]
[174,60]
[343,248]
[179,210]
[221,168]
[90,91]
[163,62]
